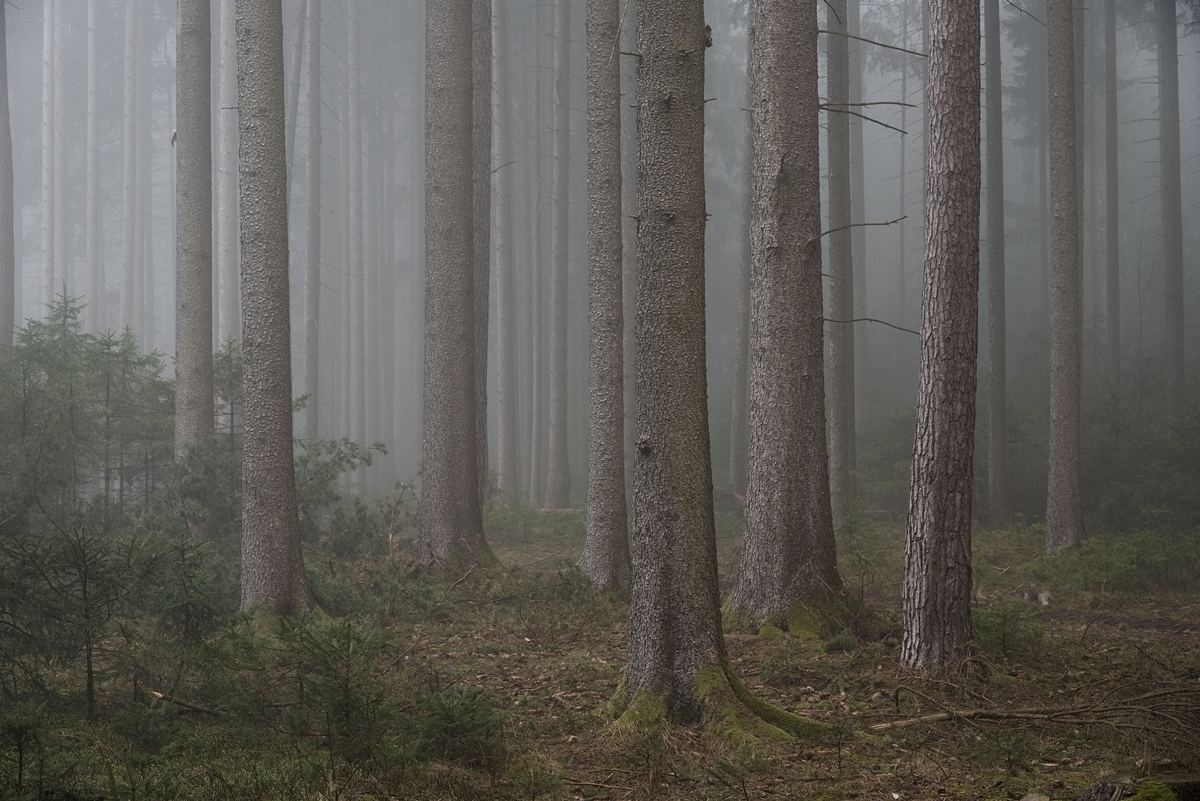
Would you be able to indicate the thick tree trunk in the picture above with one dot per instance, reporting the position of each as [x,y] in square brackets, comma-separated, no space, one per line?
[193,214]
[272,565]
[229,318]
[788,554]
[998,503]
[8,260]
[605,559]
[451,517]
[481,157]
[558,474]
[1172,207]
[841,266]
[1064,506]
[937,574]
[1112,217]
[629,206]
[312,229]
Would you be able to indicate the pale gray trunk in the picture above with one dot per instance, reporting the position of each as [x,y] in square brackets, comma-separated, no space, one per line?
[1172,207]
[293,96]
[354,220]
[629,205]
[7,233]
[558,474]
[1064,508]
[94,315]
[272,565]
[788,554]
[605,559]
[937,573]
[129,166]
[902,226]
[858,191]
[741,354]
[48,276]
[63,277]
[193,215]
[1112,217]
[451,518]
[841,266]
[228,311]
[507,444]
[481,150]
[998,503]
[674,615]
[312,227]
[537,381]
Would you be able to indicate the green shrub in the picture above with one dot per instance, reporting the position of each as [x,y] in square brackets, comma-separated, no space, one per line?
[461,725]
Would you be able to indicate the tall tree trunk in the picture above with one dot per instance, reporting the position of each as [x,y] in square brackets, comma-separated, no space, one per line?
[841,266]
[858,190]
[312,228]
[605,559]
[48,276]
[481,149]
[902,226]
[507,445]
[229,319]
[788,554]
[937,573]
[741,355]
[1112,217]
[1172,207]
[272,565]
[193,214]
[629,206]
[558,475]
[129,177]
[451,517]
[356,265]
[94,316]
[1064,506]
[62,263]
[8,256]
[998,503]
[292,107]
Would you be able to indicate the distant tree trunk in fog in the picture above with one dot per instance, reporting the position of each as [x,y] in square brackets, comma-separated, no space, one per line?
[94,314]
[1172,207]
[62,264]
[605,559]
[130,172]
[674,615]
[312,227]
[272,565]
[841,266]
[537,377]
[788,553]
[1112,217]
[193,214]
[858,190]
[354,221]
[292,107]
[558,474]
[8,260]
[481,149]
[1064,506]
[507,445]
[451,517]
[629,207]
[228,312]
[741,347]
[902,226]
[998,503]
[48,276]
[937,573]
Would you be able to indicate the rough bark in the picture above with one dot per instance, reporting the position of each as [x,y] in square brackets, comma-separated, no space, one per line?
[1064,505]
[841,266]
[937,574]
[1112,217]
[229,320]
[312,228]
[629,205]
[1172,206]
[272,565]
[451,519]
[193,215]
[998,501]
[507,444]
[605,559]
[481,200]
[558,473]
[7,233]
[788,554]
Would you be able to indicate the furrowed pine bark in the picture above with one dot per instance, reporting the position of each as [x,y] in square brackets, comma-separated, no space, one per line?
[998,502]
[193,214]
[1064,504]
[451,518]
[788,554]
[605,559]
[937,572]
[272,565]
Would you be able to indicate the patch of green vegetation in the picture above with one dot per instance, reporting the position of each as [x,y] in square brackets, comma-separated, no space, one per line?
[1008,630]
[1152,791]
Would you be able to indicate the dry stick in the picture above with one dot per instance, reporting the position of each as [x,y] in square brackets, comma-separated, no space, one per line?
[193,707]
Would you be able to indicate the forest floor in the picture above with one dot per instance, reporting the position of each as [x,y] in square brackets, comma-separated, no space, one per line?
[494,685]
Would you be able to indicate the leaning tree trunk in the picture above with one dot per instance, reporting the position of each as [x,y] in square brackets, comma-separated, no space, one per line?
[788,554]
[605,559]
[193,215]
[451,518]
[272,565]
[1064,505]
[937,572]
[312,228]
[998,505]
[1172,207]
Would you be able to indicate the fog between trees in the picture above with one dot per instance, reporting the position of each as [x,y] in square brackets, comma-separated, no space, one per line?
[93,112]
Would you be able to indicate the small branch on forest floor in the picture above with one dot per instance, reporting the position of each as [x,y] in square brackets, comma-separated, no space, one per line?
[464,576]
[598,784]
[184,704]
